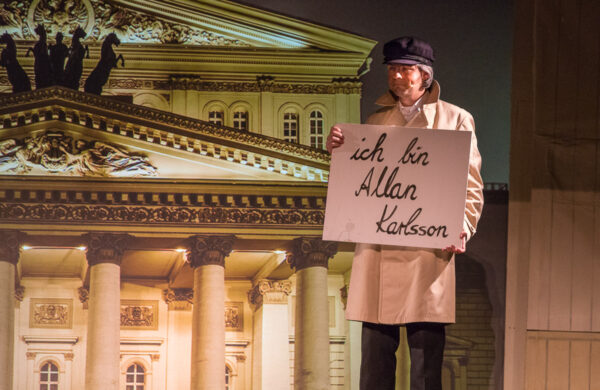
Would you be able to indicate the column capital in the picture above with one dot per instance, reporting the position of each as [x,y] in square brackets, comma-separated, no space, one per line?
[179,298]
[269,291]
[206,250]
[106,247]
[311,252]
[19,293]
[84,296]
[11,245]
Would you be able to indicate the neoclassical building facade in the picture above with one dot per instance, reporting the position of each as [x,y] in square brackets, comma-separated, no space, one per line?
[193,188]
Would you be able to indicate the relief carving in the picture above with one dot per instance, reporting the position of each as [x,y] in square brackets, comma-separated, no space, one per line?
[72,214]
[98,19]
[161,117]
[54,152]
[234,316]
[50,313]
[139,315]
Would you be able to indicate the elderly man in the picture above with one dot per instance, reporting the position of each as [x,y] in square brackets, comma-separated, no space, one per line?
[393,286]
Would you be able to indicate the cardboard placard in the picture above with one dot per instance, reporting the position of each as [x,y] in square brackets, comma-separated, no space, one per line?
[399,186]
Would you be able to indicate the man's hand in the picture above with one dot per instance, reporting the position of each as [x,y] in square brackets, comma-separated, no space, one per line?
[453,249]
[335,138]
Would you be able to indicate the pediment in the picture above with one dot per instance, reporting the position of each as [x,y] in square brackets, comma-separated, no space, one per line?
[60,132]
[195,23]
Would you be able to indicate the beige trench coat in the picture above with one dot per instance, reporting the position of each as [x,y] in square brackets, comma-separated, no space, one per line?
[399,285]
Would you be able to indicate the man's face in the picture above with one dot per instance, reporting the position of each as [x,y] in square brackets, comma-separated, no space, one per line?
[406,80]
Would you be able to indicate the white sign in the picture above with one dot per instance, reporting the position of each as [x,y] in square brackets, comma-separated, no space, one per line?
[398,186]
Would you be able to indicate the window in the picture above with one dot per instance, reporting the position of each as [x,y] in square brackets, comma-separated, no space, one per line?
[49,377]
[227,378]
[134,379]
[290,127]
[216,117]
[316,129]
[240,120]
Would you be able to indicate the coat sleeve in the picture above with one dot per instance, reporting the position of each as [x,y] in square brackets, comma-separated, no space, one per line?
[474,203]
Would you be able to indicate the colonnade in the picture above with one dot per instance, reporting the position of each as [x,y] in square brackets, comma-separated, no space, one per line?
[206,255]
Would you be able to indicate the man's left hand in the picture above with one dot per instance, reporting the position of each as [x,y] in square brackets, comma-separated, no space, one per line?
[462,249]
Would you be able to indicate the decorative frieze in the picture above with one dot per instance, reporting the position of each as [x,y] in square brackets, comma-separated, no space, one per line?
[11,245]
[209,250]
[51,313]
[270,292]
[139,315]
[118,214]
[55,152]
[105,247]
[267,84]
[311,252]
[234,316]
[69,356]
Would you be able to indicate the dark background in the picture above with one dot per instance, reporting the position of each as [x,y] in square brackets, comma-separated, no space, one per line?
[472,41]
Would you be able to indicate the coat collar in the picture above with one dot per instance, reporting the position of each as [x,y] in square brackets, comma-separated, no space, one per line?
[430,100]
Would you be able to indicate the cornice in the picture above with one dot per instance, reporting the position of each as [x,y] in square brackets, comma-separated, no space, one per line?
[164,128]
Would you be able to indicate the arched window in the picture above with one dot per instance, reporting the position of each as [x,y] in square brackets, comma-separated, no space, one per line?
[290,126]
[240,119]
[227,378]
[216,116]
[135,377]
[49,376]
[316,129]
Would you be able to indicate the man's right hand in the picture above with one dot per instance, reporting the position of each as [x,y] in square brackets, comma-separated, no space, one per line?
[335,138]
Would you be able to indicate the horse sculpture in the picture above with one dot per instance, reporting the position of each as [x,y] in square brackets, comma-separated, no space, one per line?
[43,72]
[58,53]
[74,66]
[8,59]
[108,60]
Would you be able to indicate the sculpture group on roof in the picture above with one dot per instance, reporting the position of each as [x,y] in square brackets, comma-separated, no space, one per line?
[49,63]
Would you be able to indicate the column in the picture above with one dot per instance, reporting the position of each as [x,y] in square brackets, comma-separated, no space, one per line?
[310,257]
[271,366]
[207,258]
[9,257]
[104,252]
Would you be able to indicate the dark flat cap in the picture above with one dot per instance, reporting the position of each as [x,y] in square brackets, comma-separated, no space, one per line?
[409,51]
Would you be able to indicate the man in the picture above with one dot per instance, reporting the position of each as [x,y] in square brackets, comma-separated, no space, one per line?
[393,286]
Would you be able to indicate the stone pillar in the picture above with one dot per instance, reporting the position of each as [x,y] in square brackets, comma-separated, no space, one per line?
[104,252]
[10,242]
[271,367]
[310,257]
[207,258]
